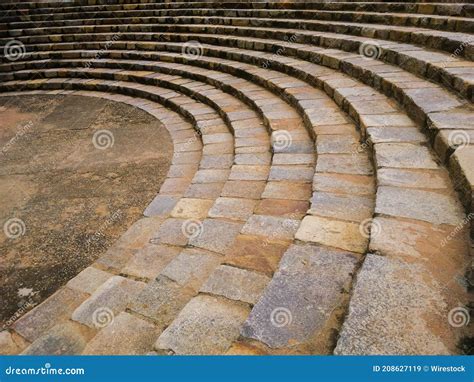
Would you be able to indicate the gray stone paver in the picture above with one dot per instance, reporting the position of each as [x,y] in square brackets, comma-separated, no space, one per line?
[68,338]
[126,335]
[107,301]
[301,297]
[392,311]
[236,284]
[56,309]
[192,267]
[206,325]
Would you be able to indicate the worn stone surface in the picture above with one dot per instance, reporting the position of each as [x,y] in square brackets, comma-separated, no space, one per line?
[79,171]
[8,345]
[444,251]
[343,183]
[211,176]
[135,238]
[344,207]
[411,178]
[251,252]
[344,164]
[107,301]
[243,189]
[272,227]
[300,300]
[192,267]
[89,280]
[403,155]
[247,172]
[161,205]
[149,261]
[295,173]
[204,190]
[423,205]
[211,230]
[171,232]
[236,284]
[188,208]
[232,208]
[206,325]
[292,209]
[161,300]
[126,335]
[52,311]
[68,338]
[334,233]
[396,135]
[287,190]
[395,309]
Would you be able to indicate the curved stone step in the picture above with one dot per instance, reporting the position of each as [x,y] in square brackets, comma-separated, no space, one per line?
[439,22]
[447,70]
[457,43]
[446,9]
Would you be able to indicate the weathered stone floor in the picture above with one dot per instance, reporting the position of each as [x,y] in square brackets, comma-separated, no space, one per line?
[319,199]
[73,199]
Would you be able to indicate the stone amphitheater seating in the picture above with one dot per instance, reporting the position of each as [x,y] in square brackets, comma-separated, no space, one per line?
[321,192]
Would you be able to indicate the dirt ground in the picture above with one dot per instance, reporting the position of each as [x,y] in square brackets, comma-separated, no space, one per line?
[75,173]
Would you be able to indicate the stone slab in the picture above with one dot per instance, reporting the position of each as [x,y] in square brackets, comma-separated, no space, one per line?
[89,280]
[333,233]
[394,310]
[192,267]
[430,206]
[236,284]
[68,338]
[302,296]
[127,335]
[161,301]
[100,309]
[52,311]
[206,325]
[216,235]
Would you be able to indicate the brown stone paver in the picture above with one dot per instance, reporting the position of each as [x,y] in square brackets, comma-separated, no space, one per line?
[57,308]
[119,337]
